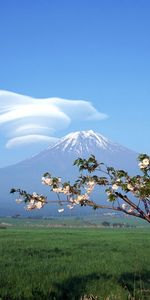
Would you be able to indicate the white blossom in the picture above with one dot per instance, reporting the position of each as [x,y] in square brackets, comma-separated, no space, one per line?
[89,189]
[124,206]
[19,201]
[47,181]
[91,183]
[118,180]
[130,187]
[60,210]
[90,186]
[35,195]
[142,185]
[71,199]
[115,186]
[66,190]
[29,206]
[76,201]
[38,204]
[58,190]
[145,162]
[81,198]
[141,165]
[70,206]
[108,193]
[32,201]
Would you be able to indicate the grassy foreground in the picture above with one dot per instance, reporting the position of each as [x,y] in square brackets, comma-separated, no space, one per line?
[61,263]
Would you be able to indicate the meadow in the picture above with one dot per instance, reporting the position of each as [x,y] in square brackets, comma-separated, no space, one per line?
[41,262]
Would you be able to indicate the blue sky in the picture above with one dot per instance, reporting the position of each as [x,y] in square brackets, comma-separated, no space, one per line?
[96,51]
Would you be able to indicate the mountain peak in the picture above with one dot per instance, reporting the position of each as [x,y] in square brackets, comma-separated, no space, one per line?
[81,142]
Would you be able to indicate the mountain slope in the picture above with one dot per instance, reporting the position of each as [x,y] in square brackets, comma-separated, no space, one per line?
[58,160]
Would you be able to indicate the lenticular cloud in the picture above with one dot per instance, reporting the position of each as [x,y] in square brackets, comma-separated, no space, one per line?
[24,119]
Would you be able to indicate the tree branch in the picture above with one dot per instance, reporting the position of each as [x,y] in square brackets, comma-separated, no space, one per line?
[127,200]
[146,207]
[91,203]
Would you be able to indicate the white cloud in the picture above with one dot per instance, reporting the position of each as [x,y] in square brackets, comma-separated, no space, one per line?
[78,109]
[24,119]
[32,138]
[25,129]
[33,110]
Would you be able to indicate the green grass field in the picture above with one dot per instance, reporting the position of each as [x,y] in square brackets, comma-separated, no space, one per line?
[67,263]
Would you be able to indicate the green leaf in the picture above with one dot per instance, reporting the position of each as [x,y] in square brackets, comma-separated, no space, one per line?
[12,191]
[112,197]
[47,174]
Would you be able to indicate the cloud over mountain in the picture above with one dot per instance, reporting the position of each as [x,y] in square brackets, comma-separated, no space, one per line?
[30,138]
[25,119]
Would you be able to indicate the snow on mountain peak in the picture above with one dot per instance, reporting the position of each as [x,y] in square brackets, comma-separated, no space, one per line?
[84,141]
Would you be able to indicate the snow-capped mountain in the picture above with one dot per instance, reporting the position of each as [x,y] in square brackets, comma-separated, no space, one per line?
[58,160]
[82,142]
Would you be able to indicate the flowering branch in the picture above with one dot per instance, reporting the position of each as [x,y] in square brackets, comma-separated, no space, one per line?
[117,184]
